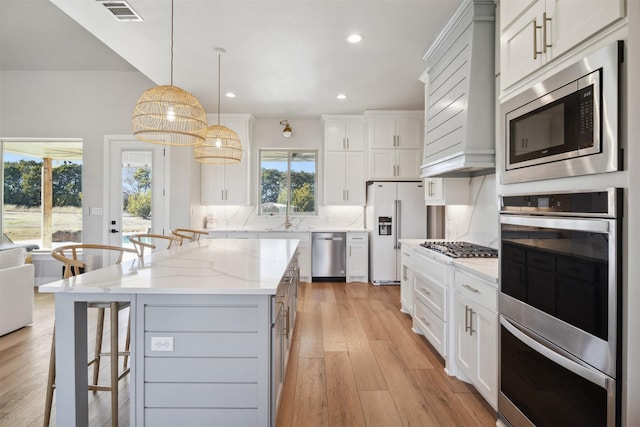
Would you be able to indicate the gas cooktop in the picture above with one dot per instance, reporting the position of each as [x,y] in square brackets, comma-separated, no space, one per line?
[461,249]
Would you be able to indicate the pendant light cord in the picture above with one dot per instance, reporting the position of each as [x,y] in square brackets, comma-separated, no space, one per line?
[219,54]
[171,42]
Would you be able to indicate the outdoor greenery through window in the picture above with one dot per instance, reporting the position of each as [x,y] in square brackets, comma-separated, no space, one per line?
[288,179]
[42,192]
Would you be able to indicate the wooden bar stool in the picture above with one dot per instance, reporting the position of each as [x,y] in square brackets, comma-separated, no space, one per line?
[145,240]
[188,233]
[68,255]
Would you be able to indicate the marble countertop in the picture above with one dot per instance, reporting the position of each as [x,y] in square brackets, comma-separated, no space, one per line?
[483,267]
[208,266]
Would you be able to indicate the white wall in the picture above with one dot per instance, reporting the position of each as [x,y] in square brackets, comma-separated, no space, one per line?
[64,104]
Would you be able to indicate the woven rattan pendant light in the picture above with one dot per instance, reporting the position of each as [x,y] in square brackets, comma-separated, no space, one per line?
[169,115]
[221,145]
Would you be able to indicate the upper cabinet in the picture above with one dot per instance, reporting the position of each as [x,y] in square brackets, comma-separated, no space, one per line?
[344,133]
[344,160]
[229,184]
[535,32]
[394,142]
[460,95]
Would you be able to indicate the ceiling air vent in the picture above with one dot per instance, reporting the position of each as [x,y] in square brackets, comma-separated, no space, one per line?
[121,10]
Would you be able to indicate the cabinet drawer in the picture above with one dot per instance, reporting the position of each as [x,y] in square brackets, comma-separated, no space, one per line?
[433,328]
[477,289]
[430,267]
[431,294]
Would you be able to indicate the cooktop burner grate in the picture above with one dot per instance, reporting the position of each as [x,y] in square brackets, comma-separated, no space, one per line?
[461,249]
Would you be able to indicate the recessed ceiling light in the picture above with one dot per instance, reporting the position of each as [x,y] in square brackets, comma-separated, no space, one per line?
[341,96]
[230,95]
[354,38]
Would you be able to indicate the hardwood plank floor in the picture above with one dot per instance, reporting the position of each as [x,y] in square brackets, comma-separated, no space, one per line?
[354,362]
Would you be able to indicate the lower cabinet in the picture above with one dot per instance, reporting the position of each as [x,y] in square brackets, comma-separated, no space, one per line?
[406,280]
[357,256]
[476,321]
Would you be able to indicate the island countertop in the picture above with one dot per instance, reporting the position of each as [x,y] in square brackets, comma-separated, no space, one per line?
[208,266]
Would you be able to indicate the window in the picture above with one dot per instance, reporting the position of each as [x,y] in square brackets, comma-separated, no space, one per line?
[41,192]
[288,181]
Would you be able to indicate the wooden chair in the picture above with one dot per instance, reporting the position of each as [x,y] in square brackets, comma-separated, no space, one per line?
[68,255]
[145,240]
[188,233]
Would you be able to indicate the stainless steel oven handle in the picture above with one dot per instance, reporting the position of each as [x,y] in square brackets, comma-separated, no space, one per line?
[586,224]
[590,374]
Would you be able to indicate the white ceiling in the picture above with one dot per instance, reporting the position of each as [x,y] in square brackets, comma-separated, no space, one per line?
[284,59]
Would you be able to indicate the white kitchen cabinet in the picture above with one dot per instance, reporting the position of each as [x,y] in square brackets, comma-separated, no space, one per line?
[406,280]
[344,178]
[394,164]
[431,299]
[535,32]
[357,256]
[446,191]
[476,321]
[344,133]
[395,129]
[229,184]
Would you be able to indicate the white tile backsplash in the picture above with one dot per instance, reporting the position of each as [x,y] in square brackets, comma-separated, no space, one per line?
[247,218]
[477,222]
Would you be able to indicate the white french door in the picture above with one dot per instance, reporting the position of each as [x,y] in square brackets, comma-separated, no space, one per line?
[135,176]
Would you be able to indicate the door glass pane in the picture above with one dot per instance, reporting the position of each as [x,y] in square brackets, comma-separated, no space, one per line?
[137,169]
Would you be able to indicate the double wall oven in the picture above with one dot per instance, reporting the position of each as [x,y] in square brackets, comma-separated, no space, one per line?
[560,309]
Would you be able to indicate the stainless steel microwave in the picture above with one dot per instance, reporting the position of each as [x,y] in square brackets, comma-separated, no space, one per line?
[566,125]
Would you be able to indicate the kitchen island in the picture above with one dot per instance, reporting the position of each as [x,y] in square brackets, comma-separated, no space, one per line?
[210,325]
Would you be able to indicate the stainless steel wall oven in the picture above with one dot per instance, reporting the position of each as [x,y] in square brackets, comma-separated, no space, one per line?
[560,309]
[566,125]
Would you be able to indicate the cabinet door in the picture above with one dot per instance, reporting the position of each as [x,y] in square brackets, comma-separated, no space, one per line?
[357,262]
[407,164]
[573,21]
[334,134]
[212,184]
[517,46]
[235,180]
[511,9]
[354,178]
[355,134]
[409,132]
[406,285]
[486,379]
[466,333]
[382,164]
[304,260]
[334,178]
[383,132]
[433,190]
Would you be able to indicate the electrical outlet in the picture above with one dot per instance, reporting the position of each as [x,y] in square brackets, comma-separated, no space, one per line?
[161,343]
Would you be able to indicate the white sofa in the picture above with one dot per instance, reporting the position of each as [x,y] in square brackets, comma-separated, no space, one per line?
[16,290]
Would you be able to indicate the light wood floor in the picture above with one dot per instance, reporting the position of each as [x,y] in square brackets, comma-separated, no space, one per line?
[354,362]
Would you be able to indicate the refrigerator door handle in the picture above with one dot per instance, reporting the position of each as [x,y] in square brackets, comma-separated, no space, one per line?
[396,225]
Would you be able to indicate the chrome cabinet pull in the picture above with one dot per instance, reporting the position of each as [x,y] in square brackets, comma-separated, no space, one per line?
[536,27]
[472,289]
[347,143]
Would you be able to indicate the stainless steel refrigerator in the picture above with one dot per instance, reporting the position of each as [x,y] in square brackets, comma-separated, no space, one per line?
[395,210]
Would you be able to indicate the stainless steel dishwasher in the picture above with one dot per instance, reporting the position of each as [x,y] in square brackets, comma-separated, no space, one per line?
[329,257]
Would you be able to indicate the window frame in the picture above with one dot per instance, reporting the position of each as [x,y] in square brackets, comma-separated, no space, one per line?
[289,152]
